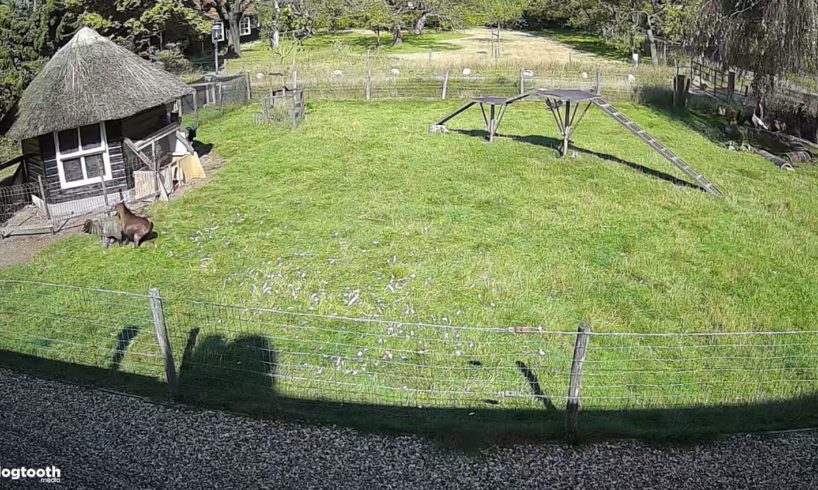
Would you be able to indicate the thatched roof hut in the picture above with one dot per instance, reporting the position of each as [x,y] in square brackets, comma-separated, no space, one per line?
[91,79]
[95,116]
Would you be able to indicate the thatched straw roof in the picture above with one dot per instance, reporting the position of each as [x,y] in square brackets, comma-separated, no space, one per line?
[91,79]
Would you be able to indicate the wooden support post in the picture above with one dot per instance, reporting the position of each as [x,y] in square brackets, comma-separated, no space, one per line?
[522,81]
[105,192]
[368,76]
[196,106]
[575,382]
[598,90]
[731,85]
[567,131]
[445,85]
[44,197]
[492,123]
[163,339]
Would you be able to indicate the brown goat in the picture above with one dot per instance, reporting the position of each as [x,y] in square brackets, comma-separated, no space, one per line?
[134,227]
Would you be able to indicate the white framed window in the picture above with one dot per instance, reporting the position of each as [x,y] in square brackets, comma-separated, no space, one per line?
[245,27]
[82,156]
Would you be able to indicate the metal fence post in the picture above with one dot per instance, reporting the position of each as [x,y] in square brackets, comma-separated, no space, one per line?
[573,404]
[445,85]
[163,339]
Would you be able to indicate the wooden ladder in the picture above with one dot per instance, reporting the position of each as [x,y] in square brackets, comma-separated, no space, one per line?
[659,147]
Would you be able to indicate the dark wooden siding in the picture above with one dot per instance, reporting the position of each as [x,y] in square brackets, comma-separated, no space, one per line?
[34,161]
[145,123]
[118,178]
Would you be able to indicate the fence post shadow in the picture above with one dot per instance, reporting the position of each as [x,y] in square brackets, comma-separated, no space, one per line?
[534,383]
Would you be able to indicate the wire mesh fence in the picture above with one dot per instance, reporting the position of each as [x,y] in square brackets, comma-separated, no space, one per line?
[361,83]
[13,198]
[217,91]
[105,329]
[255,353]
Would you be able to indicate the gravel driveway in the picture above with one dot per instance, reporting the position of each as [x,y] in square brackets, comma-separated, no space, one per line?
[107,441]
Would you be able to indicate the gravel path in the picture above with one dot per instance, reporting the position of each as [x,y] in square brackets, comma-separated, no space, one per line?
[107,441]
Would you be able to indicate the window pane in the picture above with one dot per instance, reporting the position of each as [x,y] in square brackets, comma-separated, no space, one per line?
[68,141]
[94,165]
[91,137]
[72,169]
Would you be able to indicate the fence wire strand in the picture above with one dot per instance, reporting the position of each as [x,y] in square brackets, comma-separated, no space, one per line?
[231,351]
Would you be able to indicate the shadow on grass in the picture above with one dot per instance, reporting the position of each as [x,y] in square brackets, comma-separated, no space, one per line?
[701,115]
[251,391]
[555,144]
[123,342]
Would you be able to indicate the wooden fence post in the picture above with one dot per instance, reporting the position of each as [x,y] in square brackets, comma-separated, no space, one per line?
[163,339]
[598,83]
[573,404]
[522,81]
[368,76]
[445,85]
[44,197]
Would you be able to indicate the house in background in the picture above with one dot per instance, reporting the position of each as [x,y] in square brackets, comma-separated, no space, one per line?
[248,25]
[81,119]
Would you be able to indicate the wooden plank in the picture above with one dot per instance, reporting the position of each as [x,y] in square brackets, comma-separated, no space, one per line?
[163,339]
[575,383]
[449,116]
[657,146]
[15,161]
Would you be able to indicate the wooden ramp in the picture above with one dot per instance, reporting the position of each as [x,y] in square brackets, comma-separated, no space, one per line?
[659,147]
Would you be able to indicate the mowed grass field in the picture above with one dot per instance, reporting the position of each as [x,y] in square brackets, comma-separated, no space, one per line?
[361,212]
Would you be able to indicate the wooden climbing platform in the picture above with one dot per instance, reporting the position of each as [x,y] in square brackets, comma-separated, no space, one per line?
[566,105]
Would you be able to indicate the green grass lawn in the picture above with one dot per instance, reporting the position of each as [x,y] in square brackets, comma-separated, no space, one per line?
[361,201]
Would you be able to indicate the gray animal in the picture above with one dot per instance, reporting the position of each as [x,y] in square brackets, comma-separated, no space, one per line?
[108,229]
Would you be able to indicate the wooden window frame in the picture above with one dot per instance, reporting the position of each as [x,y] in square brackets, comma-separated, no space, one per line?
[249,24]
[81,154]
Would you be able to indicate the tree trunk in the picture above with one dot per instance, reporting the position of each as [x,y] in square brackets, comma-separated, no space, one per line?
[397,35]
[420,23]
[654,53]
[277,26]
[233,35]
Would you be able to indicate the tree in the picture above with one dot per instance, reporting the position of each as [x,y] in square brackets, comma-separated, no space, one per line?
[771,38]
[28,37]
[448,13]
[376,15]
[230,12]
[627,23]
[30,32]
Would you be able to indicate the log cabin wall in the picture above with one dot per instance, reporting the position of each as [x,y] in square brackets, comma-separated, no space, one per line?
[118,182]
[146,122]
[34,160]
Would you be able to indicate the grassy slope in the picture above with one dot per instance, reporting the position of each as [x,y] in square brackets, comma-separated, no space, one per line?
[543,241]
[361,196]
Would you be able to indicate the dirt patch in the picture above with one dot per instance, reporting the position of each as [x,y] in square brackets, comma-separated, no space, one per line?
[516,48]
[19,249]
